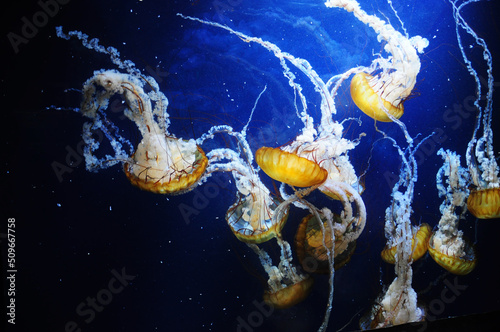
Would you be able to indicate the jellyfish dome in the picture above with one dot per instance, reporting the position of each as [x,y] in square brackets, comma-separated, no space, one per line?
[485,203]
[289,168]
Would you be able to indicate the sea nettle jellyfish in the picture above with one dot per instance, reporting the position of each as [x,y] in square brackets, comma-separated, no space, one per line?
[447,246]
[161,163]
[484,198]
[381,89]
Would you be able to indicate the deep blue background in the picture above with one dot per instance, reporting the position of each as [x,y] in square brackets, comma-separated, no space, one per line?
[194,275]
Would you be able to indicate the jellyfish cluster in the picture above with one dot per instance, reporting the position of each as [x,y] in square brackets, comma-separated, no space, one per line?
[317,159]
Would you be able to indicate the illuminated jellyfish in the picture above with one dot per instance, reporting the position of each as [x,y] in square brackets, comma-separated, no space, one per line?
[312,248]
[256,217]
[287,286]
[161,163]
[447,245]
[484,198]
[398,304]
[384,86]
[419,244]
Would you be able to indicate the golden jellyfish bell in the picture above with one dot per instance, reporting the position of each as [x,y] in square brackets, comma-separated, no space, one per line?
[371,102]
[311,250]
[289,168]
[166,165]
[420,239]
[250,219]
[289,296]
[457,265]
[485,203]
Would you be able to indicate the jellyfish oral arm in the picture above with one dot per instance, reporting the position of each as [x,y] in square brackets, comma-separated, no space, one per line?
[347,195]
[404,63]
[382,94]
[480,156]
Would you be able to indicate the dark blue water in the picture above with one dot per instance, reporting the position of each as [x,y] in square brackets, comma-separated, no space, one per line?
[76,230]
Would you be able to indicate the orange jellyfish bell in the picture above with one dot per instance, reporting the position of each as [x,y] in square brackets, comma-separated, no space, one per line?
[312,251]
[460,265]
[166,165]
[289,296]
[370,101]
[420,239]
[289,168]
[485,203]
[250,219]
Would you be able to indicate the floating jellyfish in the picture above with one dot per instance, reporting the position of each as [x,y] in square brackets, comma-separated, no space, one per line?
[398,304]
[447,245]
[310,248]
[382,88]
[419,244]
[256,217]
[484,198]
[287,286]
[251,216]
[161,163]
[289,168]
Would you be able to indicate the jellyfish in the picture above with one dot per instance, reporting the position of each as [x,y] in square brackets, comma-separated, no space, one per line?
[250,218]
[290,168]
[484,198]
[398,304]
[311,251]
[287,286]
[161,163]
[381,89]
[447,246]
[419,244]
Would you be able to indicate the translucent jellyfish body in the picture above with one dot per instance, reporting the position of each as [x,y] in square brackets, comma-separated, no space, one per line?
[290,295]
[161,163]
